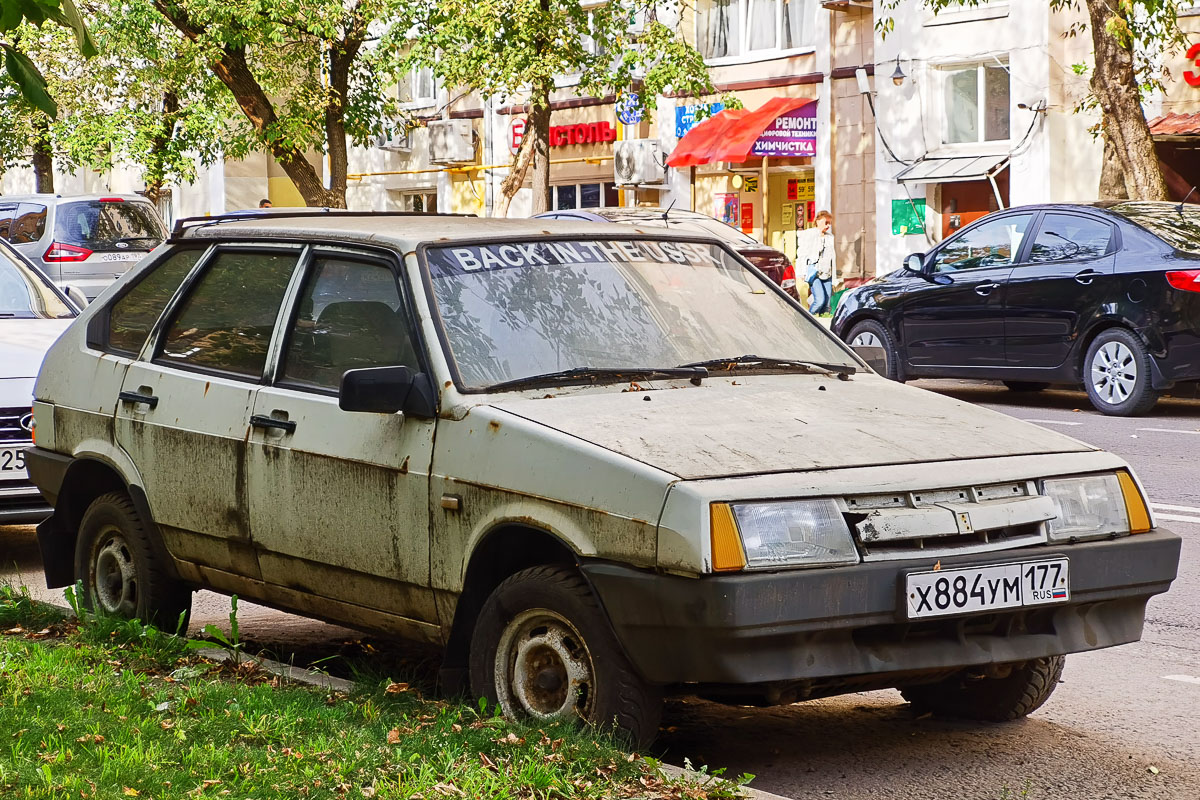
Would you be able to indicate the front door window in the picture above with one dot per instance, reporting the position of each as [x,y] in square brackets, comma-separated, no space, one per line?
[995,243]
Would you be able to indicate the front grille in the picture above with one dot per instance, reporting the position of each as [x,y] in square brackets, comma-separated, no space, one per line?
[940,522]
[10,425]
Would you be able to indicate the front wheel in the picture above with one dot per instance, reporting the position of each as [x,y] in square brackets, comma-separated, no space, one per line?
[1116,374]
[542,650]
[1006,692]
[870,333]
[120,573]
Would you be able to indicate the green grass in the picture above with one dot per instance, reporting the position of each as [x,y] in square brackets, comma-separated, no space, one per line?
[111,709]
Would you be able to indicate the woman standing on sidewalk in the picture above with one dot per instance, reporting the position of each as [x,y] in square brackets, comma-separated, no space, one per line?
[814,249]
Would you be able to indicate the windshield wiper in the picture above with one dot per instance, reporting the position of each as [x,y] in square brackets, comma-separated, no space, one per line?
[843,371]
[695,372]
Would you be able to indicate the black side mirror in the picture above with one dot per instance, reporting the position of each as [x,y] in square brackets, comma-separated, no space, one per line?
[915,263]
[386,390]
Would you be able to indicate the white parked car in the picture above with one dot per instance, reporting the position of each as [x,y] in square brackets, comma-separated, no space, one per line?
[595,463]
[33,313]
[83,242]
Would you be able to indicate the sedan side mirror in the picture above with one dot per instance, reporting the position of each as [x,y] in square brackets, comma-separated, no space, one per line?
[915,263]
[386,390]
[77,297]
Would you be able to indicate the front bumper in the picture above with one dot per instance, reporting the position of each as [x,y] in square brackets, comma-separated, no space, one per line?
[833,623]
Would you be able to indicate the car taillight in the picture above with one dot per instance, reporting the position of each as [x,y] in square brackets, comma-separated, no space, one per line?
[1186,279]
[66,252]
[788,280]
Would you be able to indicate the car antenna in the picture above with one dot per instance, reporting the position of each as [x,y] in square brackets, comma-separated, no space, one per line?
[1178,208]
[668,211]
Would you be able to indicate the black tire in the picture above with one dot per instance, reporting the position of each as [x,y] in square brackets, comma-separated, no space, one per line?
[1026,386]
[974,696]
[1116,374]
[544,602]
[121,575]
[892,368]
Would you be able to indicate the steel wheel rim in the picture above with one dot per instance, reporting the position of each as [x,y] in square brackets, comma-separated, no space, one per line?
[544,669]
[114,575]
[866,339]
[1114,373]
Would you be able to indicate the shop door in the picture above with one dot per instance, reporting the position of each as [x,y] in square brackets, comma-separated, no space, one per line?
[1069,274]
[966,201]
[790,209]
[957,320]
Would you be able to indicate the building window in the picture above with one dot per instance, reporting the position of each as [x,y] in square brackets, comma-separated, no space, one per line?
[732,28]
[420,202]
[419,88]
[976,107]
[585,195]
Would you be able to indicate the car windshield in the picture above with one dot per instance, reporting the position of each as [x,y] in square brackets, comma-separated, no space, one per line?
[109,225]
[521,309]
[26,294]
[682,221]
[1179,229]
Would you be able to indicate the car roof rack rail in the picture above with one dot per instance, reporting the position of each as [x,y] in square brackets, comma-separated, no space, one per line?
[189,223]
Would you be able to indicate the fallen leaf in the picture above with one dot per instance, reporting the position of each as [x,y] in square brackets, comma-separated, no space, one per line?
[937,567]
[511,738]
[91,738]
[129,792]
[393,736]
[487,762]
[397,688]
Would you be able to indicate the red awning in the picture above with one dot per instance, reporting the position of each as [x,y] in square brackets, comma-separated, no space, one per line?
[730,135]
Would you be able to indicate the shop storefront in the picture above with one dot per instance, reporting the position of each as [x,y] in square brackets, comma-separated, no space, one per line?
[753,169]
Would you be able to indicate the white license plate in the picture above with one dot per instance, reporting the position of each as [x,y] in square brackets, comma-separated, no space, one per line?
[118,256]
[12,463]
[962,591]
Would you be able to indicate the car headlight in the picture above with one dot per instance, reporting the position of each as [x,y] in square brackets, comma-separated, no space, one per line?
[1095,506]
[797,533]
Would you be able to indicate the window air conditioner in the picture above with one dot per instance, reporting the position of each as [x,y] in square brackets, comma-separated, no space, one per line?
[637,161]
[451,141]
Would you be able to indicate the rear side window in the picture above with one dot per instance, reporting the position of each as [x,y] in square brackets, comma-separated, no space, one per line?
[226,322]
[1067,237]
[108,225]
[28,224]
[132,316]
[350,316]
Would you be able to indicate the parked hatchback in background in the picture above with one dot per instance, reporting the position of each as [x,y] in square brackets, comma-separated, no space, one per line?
[1103,295]
[33,313]
[774,263]
[83,241]
[556,449]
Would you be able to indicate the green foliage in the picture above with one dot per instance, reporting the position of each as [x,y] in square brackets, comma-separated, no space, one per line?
[18,14]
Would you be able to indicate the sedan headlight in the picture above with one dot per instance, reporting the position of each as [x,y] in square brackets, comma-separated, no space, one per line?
[1095,506]
[799,533]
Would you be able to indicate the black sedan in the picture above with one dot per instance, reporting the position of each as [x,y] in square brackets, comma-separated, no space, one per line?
[1105,295]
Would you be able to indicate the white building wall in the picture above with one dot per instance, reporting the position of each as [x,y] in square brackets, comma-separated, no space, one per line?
[1053,158]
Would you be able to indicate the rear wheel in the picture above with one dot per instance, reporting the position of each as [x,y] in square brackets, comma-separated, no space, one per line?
[1002,693]
[870,333]
[1116,374]
[121,574]
[543,650]
[1026,386]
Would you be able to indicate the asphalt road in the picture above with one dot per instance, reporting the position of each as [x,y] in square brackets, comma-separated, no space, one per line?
[1124,723]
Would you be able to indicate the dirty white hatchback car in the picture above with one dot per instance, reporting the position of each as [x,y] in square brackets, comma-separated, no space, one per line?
[594,465]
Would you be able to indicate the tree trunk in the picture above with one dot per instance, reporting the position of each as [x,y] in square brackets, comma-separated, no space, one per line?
[341,58]
[156,173]
[515,178]
[1114,83]
[539,129]
[232,68]
[1112,179]
[43,155]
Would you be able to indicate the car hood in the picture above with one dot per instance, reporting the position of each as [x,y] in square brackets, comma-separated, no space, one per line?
[24,342]
[783,423]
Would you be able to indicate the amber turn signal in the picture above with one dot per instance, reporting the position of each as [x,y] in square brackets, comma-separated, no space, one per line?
[1135,504]
[727,555]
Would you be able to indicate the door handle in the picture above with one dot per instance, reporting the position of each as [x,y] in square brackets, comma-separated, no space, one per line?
[259,421]
[1087,276]
[984,289]
[138,397]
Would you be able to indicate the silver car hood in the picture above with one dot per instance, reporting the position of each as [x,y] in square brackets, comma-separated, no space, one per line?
[24,342]
[783,423]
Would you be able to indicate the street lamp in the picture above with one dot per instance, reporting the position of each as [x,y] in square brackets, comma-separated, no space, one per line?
[898,76]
